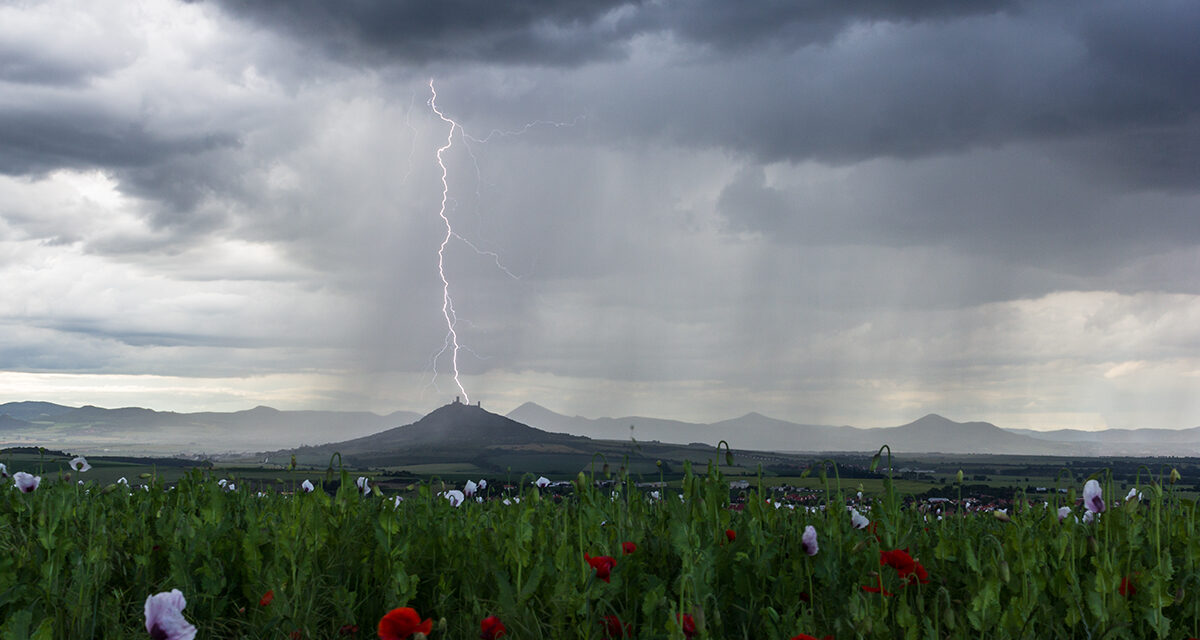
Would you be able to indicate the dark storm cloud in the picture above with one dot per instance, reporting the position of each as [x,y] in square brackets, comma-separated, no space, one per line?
[923,88]
[552,32]
[1011,206]
[780,23]
[538,32]
[60,136]
[173,172]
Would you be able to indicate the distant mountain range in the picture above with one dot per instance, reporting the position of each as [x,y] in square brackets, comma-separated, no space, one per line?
[930,434]
[137,430]
[530,425]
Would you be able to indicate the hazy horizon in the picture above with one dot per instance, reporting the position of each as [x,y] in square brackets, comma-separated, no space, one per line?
[899,421]
[825,212]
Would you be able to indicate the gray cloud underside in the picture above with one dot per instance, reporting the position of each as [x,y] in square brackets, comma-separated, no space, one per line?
[794,82]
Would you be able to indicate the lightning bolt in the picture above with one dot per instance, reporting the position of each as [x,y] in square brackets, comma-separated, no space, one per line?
[447,302]
[451,343]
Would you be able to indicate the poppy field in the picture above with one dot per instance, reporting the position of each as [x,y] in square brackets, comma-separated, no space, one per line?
[206,558]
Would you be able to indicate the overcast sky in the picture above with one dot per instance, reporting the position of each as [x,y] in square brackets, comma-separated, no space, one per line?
[825,211]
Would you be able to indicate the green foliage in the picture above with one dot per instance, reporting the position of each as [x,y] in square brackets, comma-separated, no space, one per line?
[79,561]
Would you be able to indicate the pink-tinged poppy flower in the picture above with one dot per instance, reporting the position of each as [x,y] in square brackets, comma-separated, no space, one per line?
[402,623]
[470,488]
[628,548]
[542,482]
[808,541]
[267,598]
[1063,512]
[615,628]
[482,484]
[730,535]
[164,617]
[1092,497]
[1134,494]
[491,628]
[688,624]
[858,520]
[3,470]
[602,564]
[26,482]
[362,485]
[307,486]
[455,497]
[80,464]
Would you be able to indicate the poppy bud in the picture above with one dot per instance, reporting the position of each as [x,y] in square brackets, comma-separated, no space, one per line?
[143,476]
[1179,595]
[862,544]
[1001,516]
[949,615]
[1175,477]
[1093,545]
[958,477]
[1005,574]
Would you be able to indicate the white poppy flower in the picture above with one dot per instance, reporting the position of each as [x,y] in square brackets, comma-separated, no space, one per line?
[808,541]
[307,486]
[80,464]
[26,482]
[164,617]
[1092,497]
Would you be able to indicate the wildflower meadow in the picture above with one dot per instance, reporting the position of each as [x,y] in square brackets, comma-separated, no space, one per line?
[209,559]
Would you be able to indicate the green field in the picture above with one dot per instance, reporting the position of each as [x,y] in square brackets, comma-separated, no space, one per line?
[80,560]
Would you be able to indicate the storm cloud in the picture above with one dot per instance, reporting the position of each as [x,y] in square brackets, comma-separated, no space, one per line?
[845,212]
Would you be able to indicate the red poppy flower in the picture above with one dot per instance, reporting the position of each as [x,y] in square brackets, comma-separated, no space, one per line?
[628,547]
[688,624]
[267,598]
[1126,589]
[899,560]
[491,628]
[805,636]
[908,569]
[402,623]
[731,535]
[879,589]
[602,564]
[615,628]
